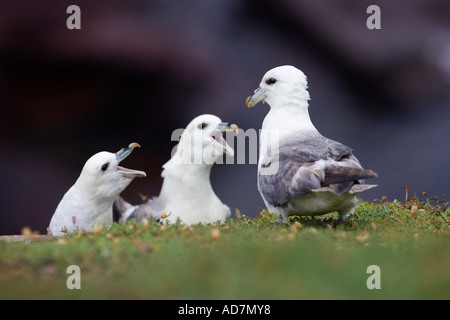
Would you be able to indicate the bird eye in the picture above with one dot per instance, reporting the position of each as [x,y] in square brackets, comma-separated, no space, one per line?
[202,125]
[271,81]
[105,166]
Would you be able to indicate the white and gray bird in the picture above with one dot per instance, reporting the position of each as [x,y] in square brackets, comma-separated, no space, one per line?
[186,194]
[300,172]
[88,203]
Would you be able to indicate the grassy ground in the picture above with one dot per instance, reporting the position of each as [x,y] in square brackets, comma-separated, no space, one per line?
[244,259]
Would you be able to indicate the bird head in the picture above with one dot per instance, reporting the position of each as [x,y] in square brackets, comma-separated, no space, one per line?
[202,141]
[102,176]
[281,85]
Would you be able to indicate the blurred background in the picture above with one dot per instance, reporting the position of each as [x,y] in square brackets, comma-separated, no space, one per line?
[137,70]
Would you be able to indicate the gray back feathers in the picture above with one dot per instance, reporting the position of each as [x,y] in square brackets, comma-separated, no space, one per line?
[308,164]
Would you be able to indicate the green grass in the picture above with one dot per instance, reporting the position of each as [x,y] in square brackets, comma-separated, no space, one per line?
[244,259]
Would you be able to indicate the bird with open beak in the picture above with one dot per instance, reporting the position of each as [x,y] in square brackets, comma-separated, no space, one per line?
[88,203]
[186,194]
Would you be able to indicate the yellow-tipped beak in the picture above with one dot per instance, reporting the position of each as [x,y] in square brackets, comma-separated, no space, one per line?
[258,96]
[134,145]
[121,155]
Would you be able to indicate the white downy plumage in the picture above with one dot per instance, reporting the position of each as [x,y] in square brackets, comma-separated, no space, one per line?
[186,194]
[88,203]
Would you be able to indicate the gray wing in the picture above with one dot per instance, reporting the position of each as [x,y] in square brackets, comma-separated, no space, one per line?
[150,208]
[299,167]
[124,211]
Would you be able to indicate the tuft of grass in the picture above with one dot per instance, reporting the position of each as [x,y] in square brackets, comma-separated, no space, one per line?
[244,258]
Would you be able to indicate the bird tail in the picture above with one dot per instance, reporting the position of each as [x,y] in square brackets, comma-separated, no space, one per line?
[342,179]
[124,211]
[347,174]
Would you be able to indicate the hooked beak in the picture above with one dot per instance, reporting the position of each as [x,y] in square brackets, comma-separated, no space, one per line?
[219,142]
[258,96]
[121,155]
